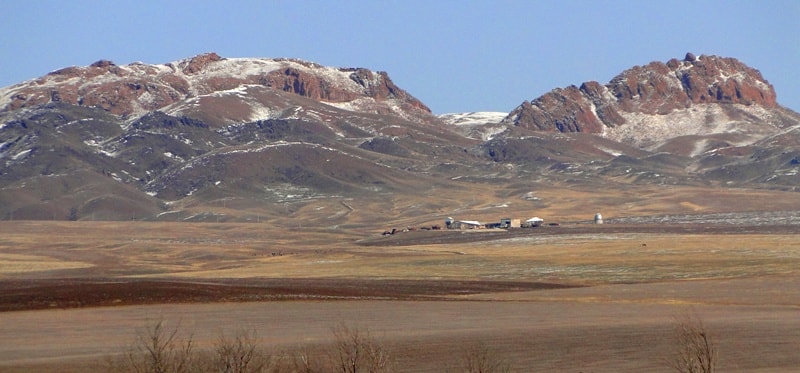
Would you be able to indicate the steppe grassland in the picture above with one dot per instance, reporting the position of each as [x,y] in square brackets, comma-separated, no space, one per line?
[204,251]
[130,248]
[503,197]
[16,263]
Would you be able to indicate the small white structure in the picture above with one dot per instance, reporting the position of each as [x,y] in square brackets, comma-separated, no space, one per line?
[598,219]
[534,221]
[466,224]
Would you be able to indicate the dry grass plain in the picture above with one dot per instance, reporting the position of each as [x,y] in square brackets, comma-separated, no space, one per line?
[573,298]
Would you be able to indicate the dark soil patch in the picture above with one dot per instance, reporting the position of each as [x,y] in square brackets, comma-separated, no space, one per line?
[16,295]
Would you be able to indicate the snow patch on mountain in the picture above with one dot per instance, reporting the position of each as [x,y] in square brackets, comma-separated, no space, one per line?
[609,151]
[261,112]
[240,68]
[484,125]
[473,118]
[649,131]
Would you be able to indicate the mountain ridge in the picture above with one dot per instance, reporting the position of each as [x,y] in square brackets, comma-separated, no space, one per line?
[250,139]
[135,89]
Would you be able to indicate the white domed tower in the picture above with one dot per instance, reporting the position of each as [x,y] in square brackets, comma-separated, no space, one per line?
[598,219]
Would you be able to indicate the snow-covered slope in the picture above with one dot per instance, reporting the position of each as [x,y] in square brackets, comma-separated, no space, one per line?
[473,118]
[649,131]
[483,125]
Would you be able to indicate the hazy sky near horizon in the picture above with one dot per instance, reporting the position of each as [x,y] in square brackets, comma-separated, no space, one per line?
[455,56]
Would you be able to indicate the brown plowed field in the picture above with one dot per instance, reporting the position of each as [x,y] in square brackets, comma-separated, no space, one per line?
[19,295]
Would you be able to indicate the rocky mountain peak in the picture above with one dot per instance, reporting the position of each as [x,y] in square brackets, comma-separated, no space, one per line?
[654,89]
[135,89]
[199,62]
[103,64]
[661,87]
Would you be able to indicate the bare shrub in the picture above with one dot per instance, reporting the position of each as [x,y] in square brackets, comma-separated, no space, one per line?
[304,362]
[158,350]
[695,350]
[356,351]
[240,354]
[479,358]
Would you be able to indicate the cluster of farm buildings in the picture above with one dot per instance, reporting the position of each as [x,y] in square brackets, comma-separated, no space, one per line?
[505,223]
[533,222]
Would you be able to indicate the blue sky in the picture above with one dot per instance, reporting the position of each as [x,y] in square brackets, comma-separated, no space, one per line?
[455,56]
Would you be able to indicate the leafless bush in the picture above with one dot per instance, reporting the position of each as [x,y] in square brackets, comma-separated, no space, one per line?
[303,362]
[356,351]
[158,350]
[240,354]
[479,358]
[695,350]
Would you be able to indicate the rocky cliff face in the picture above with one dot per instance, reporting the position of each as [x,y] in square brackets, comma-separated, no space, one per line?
[135,89]
[654,89]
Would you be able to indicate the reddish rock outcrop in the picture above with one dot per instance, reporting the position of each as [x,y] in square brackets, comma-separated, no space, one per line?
[307,84]
[198,63]
[386,89]
[657,88]
[137,88]
[564,110]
